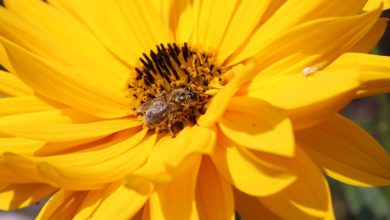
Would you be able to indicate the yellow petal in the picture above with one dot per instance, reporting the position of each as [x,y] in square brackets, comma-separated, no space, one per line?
[56,148]
[20,145]
[16,196]
[163,8]
[8,175]
[30,147]
[140,215]
[63,6]
[91,201]
[39,28]
[255,124]
[62,205]
[217,106]
[247,16]
[146,212]
[56,125]
[71,132]
[21,167]
[54,116]
[374,76]
[67,85]
[346,152]
[144,22]
[247,173]
[249,207]
[180,19]
[139,184]
[294,13]
[375,3]
[171,155]
[176,199]
[10,85]
[178,15]
[214,194]
[25,104]
[306,100]
[212,20]
[138,25]
[307,198]
[273,7]
[82,170]
[4,61]
[284,56]
[116,200]
[369,41]
[221,100]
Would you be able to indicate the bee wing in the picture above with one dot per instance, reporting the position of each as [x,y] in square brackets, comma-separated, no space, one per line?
[147,105]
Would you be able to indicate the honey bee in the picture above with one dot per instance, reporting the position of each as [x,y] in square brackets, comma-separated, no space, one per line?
[170,109]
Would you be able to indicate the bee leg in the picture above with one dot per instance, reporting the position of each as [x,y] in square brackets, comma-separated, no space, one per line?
[171,122]
[171,131]
[157,130]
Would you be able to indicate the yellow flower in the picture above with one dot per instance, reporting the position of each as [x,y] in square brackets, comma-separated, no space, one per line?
[232,107]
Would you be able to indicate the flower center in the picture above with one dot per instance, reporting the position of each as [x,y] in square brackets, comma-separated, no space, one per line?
[171,87]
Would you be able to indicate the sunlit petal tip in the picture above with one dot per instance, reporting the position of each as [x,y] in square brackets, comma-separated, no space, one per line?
[372,37]
[373,75]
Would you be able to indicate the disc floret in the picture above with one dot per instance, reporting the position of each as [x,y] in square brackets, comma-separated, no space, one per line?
[169,88]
